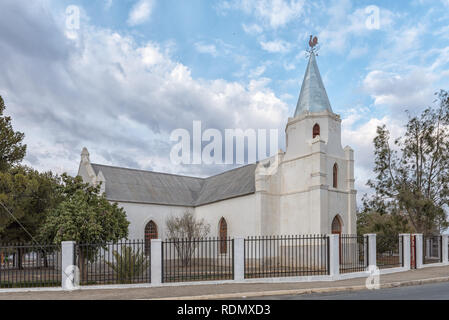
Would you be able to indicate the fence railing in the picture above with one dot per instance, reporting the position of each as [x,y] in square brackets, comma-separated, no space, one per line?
[286,256]
[432,249]
[389,253]
[185,260]
[27,266]
[123,262]
[353,253]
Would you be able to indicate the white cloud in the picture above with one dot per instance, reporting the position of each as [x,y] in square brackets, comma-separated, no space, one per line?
[273,13]
[206,48]
[141,12]
[345,23]
[252,29]
[408,91]
[257,72]
[119,98]
[280,46]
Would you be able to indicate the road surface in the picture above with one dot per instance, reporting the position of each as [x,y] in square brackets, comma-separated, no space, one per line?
[435,291]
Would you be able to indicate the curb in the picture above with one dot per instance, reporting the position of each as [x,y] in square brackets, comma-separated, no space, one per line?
[304,291]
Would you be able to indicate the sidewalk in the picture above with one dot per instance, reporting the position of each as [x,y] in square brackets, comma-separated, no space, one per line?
[230,291]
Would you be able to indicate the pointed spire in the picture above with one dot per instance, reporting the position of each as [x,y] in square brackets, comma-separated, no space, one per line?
[85,155]
[313,97]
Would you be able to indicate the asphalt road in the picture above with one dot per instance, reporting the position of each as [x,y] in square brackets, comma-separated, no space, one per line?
[436,291]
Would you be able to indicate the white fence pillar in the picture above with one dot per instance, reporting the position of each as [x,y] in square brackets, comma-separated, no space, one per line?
[372,249]
[68,268]
[418,250]
[334,254]
[405,250]
[156,261]
[444,249]
[239,259]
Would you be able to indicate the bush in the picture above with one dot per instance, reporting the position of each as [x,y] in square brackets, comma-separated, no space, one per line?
[128,264]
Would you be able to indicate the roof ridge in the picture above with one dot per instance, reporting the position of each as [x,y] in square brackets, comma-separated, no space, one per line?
[173,174]
[147,171]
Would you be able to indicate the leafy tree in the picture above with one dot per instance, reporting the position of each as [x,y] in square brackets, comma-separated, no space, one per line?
[25,197]
[12,151]
[85,216]
[183,229]
[387,227]
[412,175]
[27,194]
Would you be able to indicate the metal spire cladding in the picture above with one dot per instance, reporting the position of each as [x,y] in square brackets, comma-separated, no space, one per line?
[313,97]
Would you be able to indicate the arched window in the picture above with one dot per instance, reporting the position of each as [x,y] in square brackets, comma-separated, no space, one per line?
[316,130]
[336,225]
[335,176]
[223,234]
[150,233]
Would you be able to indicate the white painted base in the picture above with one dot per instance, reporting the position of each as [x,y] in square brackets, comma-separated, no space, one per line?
[261,281]
[439,264]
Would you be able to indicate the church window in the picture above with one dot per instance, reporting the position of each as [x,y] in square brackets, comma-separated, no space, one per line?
[223,232]
[316,130]
[150,233]
[335,176]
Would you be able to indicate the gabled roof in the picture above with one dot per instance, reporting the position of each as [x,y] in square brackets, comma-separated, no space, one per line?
[313,96]
[130,185]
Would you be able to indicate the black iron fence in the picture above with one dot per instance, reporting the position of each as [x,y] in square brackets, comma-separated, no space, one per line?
[432,249]
[123,262]
[197,259]
[184,260]
[354,252]
[27,266]
[389,253]
[286,256]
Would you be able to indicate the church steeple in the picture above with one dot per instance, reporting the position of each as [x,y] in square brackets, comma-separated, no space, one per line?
[313,97]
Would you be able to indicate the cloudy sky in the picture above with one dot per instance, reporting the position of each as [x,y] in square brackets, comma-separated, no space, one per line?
[126,74]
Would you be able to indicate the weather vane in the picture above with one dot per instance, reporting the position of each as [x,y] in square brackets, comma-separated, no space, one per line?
[313,46]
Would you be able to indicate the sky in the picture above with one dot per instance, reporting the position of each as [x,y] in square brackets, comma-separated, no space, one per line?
[123,76]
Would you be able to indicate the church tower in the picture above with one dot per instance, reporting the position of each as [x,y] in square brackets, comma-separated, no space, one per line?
[318,173]
[312,191]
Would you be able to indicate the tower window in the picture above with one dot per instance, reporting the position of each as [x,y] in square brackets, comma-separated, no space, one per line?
[335,176]
[316,130]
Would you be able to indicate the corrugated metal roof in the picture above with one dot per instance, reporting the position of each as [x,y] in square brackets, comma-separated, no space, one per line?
[130,185]
[313,96]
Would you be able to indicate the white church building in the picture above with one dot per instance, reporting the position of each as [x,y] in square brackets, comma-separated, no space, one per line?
[308,189]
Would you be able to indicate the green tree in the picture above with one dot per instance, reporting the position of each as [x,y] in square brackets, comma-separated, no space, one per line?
[27,195]
[412,174]
[12,151]
[84,216]
[386,226]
